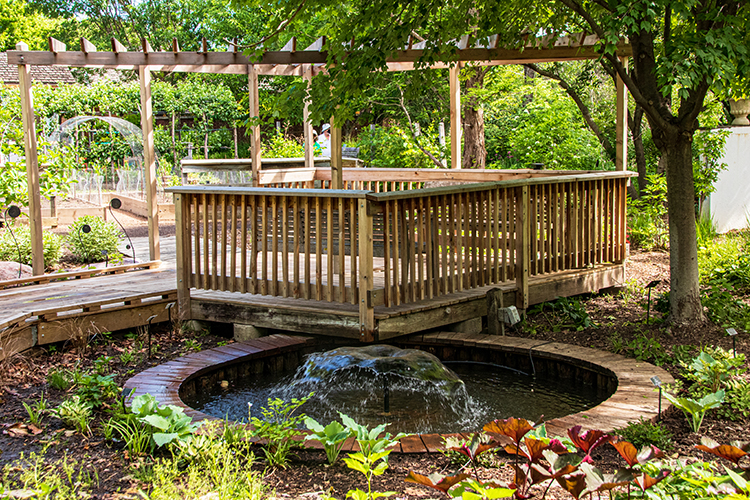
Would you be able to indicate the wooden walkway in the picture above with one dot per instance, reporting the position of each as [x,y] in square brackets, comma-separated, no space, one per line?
[64,310]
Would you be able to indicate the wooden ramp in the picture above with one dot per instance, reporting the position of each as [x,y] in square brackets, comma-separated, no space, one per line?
[66,310]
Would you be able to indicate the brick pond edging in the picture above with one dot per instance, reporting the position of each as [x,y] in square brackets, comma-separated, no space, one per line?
[634,397]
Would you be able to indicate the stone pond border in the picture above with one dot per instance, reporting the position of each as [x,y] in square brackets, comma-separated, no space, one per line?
[634,398]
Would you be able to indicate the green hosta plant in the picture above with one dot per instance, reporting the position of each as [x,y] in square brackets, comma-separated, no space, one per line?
[332,436]
[696,410]
[167,423]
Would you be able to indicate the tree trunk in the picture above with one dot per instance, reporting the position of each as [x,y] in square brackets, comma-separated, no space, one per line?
[475,153]
[636,130]
[684,297]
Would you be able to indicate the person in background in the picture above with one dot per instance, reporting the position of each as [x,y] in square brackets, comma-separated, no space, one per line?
[316,145]
[325,140]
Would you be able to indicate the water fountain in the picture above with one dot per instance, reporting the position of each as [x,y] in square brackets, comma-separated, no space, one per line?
[411,388]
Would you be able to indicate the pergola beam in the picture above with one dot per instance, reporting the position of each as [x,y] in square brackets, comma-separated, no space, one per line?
[32,166]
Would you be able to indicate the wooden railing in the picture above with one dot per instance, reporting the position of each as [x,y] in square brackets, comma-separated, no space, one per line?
[398,246]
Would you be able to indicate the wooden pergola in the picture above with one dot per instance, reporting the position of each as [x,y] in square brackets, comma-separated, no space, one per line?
[287,61]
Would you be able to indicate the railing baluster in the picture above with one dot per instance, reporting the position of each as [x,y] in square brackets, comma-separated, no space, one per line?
[420,248]
[263,246]
[196,200]
[296,240]
[233,256]
[387,230]
[353,252]
[307,288]
[214,243]
[244,242]
[318,253]
[284,227]
[342,251]
[254,286]
[395,242]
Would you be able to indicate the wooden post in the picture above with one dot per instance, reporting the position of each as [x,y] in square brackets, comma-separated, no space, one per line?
[366,308]
[455,108]
[495,325]
[32,165]
[306,125]
[523,239]
[183,253]
[337,172]
[254,104]
[621,125]
[149,160]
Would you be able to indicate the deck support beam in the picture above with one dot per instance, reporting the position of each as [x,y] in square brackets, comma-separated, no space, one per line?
[621,124]
[32,165]
[183,254]
[254,105]
[455,112]
[149,160]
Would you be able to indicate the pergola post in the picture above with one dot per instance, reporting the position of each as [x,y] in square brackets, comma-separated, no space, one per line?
[621,125]
[337,172]
[306,125]
[32,165]
[254,102]
[149,159]
[455,108]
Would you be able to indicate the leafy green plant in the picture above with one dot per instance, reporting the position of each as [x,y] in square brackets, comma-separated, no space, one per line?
[51,242]
[60,379]
[135,434]
[96,389]
[647,226]
[714,372]
[76,413]
[568,313]
[723,307]
[332,436]
[101,365]
[280,146]
[126,357]
[278,427]
[646,433]
[646,348]
[90,246]
[694,410]
[36,411]
[737,401]
[166,424]
[372,459]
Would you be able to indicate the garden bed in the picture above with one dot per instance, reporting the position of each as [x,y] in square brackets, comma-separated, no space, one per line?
[620,327]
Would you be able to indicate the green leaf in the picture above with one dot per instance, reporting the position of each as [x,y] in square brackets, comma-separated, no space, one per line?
[157,421]
[162,438]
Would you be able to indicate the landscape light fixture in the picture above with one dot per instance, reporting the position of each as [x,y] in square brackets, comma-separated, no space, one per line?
[106,257]
[657,383]
[733,333]
[169,316]
[13,212]
[86,229]
[648,304]
[115,204]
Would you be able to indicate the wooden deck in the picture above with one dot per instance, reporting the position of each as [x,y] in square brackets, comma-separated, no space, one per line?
[387,257]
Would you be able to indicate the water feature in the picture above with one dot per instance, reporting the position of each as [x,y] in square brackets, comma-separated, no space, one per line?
[411,389]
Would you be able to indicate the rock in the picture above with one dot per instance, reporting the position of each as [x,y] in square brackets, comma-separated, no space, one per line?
[9,271]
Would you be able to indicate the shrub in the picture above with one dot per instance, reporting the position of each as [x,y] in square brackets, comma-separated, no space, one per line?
[647,226]
[89,247]
[281,147]
[645,433]
[8,250]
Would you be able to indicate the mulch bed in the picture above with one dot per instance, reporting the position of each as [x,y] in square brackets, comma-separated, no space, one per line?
[619,320]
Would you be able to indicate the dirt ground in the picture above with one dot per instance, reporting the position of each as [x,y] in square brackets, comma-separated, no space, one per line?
[618,319]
